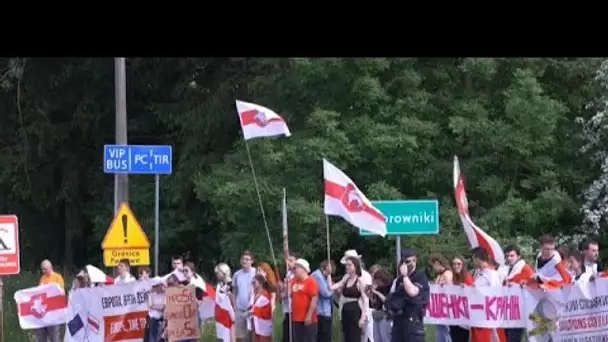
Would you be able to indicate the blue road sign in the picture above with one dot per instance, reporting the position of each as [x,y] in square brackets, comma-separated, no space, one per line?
[138,159]
[415,217]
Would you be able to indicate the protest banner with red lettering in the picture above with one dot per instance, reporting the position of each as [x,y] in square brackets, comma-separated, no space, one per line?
[181,313]
[577,313]
[487,307]
[108,314]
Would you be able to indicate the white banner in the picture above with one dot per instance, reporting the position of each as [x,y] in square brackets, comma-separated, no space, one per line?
[576,313]
[108,314]
[41,306]
[488,307]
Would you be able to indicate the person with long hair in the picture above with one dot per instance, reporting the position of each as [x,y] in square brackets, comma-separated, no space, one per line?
[353,301]
[271,276]
[576,266]
[381,287]
[462,277]
[444,277]
[261,310]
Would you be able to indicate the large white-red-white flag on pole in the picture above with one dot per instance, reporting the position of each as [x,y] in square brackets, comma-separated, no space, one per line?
[344,199]
[476,236]
[41,306]
[258,121]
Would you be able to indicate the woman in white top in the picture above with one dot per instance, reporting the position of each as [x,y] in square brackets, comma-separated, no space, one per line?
[156,307]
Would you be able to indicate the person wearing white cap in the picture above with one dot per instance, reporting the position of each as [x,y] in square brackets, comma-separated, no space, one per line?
[304,294]
[366,280]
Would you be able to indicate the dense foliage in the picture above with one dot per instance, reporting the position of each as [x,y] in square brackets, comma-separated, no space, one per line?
[392,124]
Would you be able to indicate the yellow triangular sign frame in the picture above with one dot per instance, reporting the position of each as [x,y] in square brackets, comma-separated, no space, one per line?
[119,237]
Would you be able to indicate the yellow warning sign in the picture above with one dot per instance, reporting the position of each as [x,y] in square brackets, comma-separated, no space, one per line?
[125,232]
[136,256]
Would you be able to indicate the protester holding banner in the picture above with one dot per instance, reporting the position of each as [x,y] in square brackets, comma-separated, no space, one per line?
[444,277]
[551,272]
[49,277]
[143,273]
[519,274]
[124,272]
[486,276]
[591,250]
[576,266]
[462,277]
[156,307]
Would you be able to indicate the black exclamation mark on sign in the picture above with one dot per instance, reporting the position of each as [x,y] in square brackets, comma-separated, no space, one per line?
[124,227]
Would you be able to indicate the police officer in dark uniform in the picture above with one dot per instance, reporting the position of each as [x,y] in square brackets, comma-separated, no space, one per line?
[408,298]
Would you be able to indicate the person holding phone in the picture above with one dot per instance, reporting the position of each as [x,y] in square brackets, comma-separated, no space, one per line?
[409,296]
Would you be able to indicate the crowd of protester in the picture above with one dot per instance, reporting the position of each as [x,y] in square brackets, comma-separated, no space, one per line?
[371,305]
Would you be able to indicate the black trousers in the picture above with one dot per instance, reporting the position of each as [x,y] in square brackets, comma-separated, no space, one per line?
[514,334]
[324,329]
[304,333]
[286,327]
[407,330]
[459,334]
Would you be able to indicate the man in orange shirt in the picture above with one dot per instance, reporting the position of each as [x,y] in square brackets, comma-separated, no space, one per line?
[304,294]
[49,277]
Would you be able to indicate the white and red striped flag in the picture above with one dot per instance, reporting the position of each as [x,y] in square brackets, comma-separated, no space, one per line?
[41,306]
[206,306]
[476,236]
[344,199]
[258,121]
[224,317]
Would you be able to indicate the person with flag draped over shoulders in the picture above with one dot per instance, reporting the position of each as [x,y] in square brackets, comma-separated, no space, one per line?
[551,271]
[261,323]
[486,275]
[519,273]
[408,297]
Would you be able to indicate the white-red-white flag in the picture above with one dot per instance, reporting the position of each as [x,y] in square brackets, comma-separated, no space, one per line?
[258,121]
[206,306]
[344,199]
[476,236]
[224,316]
[41,306]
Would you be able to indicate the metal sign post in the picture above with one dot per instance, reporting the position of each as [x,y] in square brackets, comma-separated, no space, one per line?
[148,160]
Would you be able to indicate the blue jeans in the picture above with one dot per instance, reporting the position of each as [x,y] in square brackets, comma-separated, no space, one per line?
[442,333]
[155,329]
[382,330]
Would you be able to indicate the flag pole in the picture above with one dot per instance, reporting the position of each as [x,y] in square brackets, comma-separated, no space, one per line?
[257,190]
[285,229]
[327,233]
[286,253]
